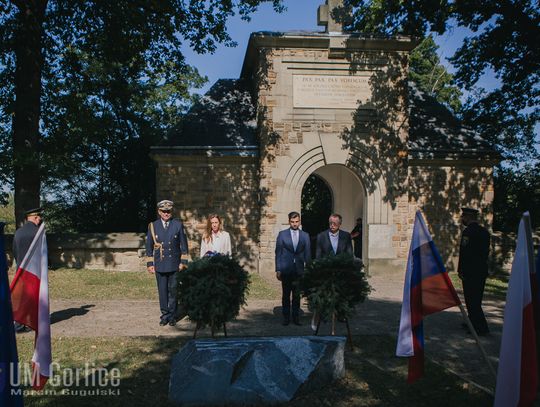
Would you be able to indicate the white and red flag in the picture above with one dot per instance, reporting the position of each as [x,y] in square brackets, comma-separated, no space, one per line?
[30,301]
[517,376]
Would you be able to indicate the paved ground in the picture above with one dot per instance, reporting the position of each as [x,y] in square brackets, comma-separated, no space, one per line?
[446,342]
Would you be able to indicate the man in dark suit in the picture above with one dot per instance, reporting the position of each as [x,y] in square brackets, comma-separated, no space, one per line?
[473,267]
[293,251]
[166,243]
[333,241]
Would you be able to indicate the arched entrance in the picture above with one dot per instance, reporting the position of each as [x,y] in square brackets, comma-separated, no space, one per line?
[316,207]
[333,188]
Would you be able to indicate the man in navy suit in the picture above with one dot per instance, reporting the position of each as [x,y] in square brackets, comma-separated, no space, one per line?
[293,251]
[166,243]
[333,241]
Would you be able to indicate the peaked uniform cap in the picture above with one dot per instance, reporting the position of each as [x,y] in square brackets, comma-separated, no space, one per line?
[165,205]
[33,212]
[469,211]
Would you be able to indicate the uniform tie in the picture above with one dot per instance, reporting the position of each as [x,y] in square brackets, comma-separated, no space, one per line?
[166,225]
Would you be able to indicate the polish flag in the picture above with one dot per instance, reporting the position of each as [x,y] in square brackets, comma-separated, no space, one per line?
[30,301]
[517,377]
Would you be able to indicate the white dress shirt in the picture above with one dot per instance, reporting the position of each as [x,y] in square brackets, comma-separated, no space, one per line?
[295,236]
[334,239]
[220,243]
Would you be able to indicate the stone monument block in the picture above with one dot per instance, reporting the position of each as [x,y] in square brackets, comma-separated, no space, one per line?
[257,371]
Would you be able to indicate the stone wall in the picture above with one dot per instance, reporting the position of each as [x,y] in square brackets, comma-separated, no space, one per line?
[295,142]
[125,251]
[440,191]
[227,186]
[103,251]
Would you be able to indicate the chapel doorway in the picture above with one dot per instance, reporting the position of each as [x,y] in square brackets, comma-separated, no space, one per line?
[333,188]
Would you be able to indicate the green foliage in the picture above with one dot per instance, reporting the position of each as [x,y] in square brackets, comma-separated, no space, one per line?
[426,71]
[316,205]
[114,82]
[517,191]
[502,37]
[7,214]
[213,289]
[334,285]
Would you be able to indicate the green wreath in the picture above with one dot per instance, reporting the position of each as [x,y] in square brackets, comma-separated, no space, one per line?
[212,290]
[334,285]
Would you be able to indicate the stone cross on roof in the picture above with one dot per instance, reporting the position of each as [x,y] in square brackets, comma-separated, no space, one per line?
[326,15]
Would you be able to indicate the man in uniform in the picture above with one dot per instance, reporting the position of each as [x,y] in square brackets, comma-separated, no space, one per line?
[473,267]
[166,243]
[356,235]
[22,240]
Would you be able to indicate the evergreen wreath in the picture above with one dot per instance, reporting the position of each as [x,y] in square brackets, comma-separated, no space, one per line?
[334,285]
[212,290]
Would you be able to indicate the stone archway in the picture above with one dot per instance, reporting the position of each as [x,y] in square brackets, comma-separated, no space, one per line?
[339,190]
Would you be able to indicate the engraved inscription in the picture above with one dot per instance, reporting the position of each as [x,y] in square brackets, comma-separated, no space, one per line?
[330,91]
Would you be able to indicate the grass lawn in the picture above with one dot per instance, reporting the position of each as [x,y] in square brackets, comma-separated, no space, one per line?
[374,377]
[84,284]
[496,286]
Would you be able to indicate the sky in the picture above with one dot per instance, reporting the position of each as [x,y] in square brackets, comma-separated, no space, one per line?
[226,62]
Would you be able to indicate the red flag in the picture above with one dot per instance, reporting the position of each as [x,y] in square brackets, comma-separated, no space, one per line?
[30,300]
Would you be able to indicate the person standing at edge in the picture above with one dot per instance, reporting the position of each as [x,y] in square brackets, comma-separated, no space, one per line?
[166,243]
[356,235]
[333,241]
[22,240]
[473,267]
[293,251]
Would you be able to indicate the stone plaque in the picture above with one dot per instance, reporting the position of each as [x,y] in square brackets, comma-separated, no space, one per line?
[330,91]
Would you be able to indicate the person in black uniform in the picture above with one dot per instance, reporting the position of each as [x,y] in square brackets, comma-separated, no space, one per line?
[356,236]
[166,243]
[21,243]
[25,235]
[473,267]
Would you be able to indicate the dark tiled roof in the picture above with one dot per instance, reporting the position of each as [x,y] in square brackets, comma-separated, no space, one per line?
[224,117]
[435,132]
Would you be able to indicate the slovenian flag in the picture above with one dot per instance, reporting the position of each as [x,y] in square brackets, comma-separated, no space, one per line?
[9,371]
[427,290]
[30,299]
[517,375]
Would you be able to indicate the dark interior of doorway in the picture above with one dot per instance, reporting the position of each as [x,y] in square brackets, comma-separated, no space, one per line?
[316,207]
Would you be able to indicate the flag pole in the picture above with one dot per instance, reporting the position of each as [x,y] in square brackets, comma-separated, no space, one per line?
[473,331]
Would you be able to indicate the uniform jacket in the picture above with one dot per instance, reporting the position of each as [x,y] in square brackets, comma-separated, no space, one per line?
[174,244]
[324,247]
[22,240]
[288,260]
[474,251]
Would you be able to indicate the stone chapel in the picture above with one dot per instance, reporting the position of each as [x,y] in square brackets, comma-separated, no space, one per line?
[323,122]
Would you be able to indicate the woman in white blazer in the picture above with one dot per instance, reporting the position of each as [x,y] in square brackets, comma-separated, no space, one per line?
[215,240]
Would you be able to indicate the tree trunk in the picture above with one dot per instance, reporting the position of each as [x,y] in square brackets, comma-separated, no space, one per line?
[29,61]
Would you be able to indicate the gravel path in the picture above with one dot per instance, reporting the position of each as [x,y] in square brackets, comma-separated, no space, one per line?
[445,341]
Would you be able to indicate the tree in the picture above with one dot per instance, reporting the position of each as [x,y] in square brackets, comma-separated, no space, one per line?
[503,38]
[86,74]
[426,71]
[517,191]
